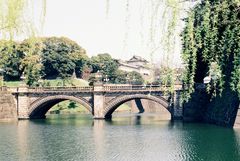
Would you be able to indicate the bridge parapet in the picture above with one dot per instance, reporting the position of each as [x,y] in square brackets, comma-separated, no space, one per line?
[98,88]
[3,88]
[73,88]
[139,88]
[48,89]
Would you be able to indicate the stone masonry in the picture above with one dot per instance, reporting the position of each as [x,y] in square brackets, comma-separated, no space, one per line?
[8,110]
[100,100]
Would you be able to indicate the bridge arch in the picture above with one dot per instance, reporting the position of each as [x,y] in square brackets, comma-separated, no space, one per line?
[39,108]
[115,103]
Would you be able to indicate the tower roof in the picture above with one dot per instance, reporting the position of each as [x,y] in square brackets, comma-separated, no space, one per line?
[136,58]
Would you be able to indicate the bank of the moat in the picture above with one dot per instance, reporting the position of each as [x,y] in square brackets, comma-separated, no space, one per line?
[222,110]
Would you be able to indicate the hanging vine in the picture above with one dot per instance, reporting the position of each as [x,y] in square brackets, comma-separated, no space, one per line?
[211,46]
[162,31]
[17,20]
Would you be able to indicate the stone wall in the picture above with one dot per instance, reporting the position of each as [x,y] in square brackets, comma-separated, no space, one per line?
[237,121]
[195,108]
[223,109]
[8,110]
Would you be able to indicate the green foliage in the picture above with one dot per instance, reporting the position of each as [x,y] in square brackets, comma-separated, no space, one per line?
[167,78]
[10,59]
[13,23]
[32,74]
[31,64]
[63,108]
[135,78]
[171,18]
[53,57]
[51,83]
[121,77]
[60,57]
[211,46]
[81,62]
[13,19]
[72,104]
[106,64]
[42,57]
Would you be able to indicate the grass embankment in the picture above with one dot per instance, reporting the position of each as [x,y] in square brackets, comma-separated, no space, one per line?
[52,83]
[65,107]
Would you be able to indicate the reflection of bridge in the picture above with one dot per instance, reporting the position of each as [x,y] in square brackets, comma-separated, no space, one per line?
[100,100]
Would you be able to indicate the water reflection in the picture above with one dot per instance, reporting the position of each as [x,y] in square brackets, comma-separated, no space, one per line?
[98,135]
[22,140]
[138,120]
[139,137]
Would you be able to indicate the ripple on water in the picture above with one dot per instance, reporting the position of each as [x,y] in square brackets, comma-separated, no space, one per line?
[131,138]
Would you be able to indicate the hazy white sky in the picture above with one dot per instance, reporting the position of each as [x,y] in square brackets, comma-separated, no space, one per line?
[120,33]
[85,22]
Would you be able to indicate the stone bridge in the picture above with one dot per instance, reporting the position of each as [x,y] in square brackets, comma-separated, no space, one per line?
[100,100]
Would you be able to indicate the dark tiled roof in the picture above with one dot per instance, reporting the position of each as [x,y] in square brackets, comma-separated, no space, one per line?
[137,59]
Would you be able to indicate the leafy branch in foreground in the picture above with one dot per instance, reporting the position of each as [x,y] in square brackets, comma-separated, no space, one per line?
[211,46]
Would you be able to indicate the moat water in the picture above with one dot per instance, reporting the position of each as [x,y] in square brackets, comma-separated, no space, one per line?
[125,138]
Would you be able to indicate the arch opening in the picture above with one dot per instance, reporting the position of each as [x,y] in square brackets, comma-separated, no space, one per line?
[39,108]
[143,103]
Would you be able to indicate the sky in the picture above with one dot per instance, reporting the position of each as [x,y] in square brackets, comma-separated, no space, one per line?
[101,27]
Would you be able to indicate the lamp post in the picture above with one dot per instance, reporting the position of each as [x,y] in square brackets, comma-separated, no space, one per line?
[1,76]
[133,80]
[128,80]
[106,79]
[40,81]
[158,80]
[207,80]
[22,78]
[98,78]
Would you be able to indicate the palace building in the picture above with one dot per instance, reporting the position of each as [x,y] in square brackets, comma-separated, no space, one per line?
[137,64]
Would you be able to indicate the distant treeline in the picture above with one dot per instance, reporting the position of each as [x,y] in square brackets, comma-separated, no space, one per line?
[57,57]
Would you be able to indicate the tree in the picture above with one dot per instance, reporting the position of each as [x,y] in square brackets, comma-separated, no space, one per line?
[14,23]
[81,62]
[121,77]
[72,105]
[31,64]
[10,59]
[61,56]
[13,19]
[211,46]
[106,64]
[135,78]
[167,78]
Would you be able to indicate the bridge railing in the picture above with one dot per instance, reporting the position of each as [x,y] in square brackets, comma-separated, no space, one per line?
[139,87]
[3,88]
[132,87]
[39,89]
[10,89]
[106,88]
